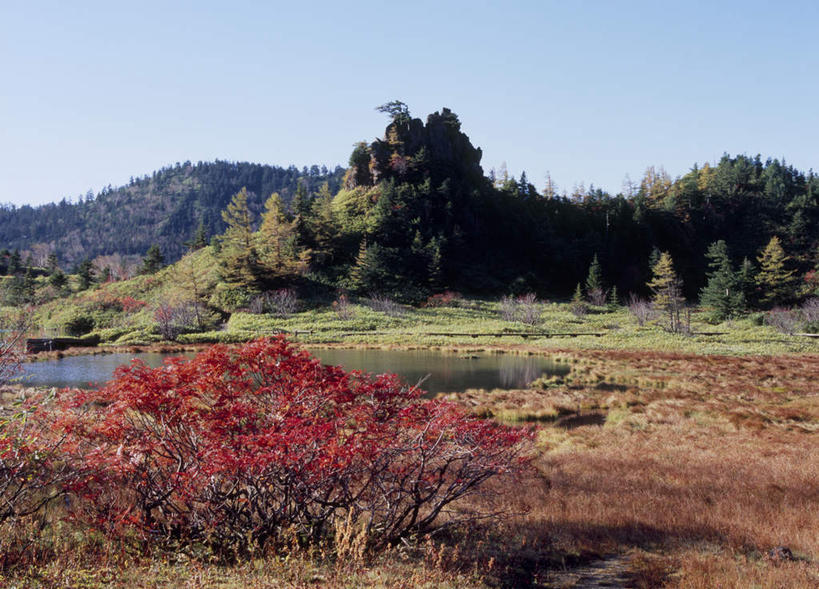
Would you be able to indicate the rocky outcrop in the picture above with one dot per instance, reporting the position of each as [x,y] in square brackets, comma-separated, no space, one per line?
[413,151]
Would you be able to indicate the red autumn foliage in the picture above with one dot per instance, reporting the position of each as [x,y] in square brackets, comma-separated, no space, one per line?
[444,299]
[239,447]
[33,468]
[106,301]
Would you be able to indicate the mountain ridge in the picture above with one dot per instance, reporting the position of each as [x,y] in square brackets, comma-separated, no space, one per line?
[164,208]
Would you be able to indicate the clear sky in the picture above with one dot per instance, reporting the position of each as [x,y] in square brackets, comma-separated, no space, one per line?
[95,92]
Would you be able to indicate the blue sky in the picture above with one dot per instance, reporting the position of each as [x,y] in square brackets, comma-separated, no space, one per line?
[95,92]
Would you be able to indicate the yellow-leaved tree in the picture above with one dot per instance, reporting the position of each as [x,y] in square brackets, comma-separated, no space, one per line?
[276,243]
[667,289]
[774,280]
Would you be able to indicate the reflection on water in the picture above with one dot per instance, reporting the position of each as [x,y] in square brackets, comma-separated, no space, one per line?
[82,371]
[439,372]
[446,372]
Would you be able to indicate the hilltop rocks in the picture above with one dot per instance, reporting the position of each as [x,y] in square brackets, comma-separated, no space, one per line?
[413,151]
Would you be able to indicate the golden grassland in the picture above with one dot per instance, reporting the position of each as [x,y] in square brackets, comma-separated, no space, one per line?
[685,469]
[694,466]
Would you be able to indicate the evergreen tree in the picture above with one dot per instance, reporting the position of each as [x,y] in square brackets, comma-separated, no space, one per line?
[595,290]
[374,271]
[775,282]
[58,280]
[85,274]
[153,260]
[301,201]
[14,291]
[15,264]
[435,267]
[746,279]
[722,295]
[52,263]
[614,299]
[577,305]
[200,238]
[324,228]
[29,286]
[359,269]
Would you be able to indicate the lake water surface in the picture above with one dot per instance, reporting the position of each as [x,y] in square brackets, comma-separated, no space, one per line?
[439,372]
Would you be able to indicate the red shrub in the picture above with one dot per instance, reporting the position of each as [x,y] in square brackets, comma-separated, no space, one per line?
[130,304]
[107,301]
[237,446]
[33,465]
[444,299]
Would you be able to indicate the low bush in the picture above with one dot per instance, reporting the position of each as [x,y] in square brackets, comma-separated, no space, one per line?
[343,309]
[33,466]
[641,309]
[444,299]
[783,320]
[524,308]
[810,315]
[172,320]
[251,446]
[79,325]
[386,305]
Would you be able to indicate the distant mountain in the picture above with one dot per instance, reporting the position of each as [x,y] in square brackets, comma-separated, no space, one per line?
[164,208]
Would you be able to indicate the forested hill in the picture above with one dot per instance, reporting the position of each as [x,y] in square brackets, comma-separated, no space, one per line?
[415,214]
[165,208]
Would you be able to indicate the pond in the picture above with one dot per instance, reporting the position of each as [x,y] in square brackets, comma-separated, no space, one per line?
[439,372]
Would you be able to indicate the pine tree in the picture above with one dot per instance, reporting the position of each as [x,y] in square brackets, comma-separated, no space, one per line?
[29,285]
[374,270]
[15,263]
[85,274]
[595,290]
[301,201]
[153,260]
[58,280]
[52,263]
[614,299]
[722,295]
[746,279]
[775,282]
[359,269]
[577,305]
[435,267]
[200,238]
[324,227]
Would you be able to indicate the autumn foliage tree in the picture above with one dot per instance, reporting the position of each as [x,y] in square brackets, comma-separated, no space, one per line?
[667,289]
[774,280]
[244,447]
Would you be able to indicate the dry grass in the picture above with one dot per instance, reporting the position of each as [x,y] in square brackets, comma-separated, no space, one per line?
[702,465]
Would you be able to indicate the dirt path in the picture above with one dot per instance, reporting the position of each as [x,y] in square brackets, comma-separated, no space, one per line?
[610,571]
